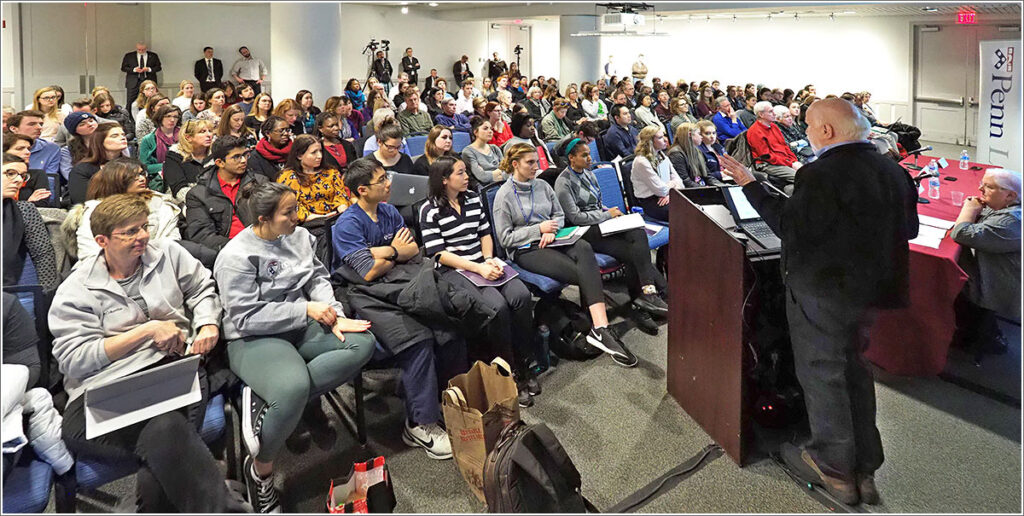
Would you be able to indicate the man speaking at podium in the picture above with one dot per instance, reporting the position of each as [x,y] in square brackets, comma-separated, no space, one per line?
[844,256]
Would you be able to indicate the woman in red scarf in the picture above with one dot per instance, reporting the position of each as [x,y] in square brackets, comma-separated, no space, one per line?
[272,150]
[338,152]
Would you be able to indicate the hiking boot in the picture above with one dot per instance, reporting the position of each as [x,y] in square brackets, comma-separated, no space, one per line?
[643,320]
[801,463]
[262,494]
[868,490]
[605,340]
[431,438]
[254,409]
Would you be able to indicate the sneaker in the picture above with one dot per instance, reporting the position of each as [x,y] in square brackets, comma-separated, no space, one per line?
[652,304]
[431,438]
[868,490]
[533,385]
[262,494]
[255,409]
[525,400]
[643,320]
[605,340]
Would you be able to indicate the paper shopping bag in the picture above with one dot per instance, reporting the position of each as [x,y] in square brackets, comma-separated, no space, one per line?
[477,406]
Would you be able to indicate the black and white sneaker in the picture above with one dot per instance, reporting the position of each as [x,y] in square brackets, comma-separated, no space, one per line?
[524,397]
[605,340]
[652,304]
[254,409]
[431,438]
[262,494]
[643,320]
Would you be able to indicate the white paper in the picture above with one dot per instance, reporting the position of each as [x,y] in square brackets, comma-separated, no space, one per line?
[929,236]
[943,163]
[934,222]
[620,224]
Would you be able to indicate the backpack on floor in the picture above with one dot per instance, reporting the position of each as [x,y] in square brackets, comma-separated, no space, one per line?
[528,471]
[569,326]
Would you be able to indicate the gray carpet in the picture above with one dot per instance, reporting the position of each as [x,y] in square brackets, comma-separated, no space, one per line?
[947,449]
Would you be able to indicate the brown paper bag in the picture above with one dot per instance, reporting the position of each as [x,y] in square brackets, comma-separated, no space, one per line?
[477,406]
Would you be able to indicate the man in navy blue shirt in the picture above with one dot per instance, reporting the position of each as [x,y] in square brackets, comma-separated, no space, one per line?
[370,238]
[45,155]
[620,140]
[726,122]
[450,119]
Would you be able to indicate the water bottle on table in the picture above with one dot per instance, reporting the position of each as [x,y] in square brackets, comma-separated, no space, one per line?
[965,160]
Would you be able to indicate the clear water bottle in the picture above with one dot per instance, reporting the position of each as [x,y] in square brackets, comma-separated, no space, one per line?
[965,160]
[933,187]
[933,168]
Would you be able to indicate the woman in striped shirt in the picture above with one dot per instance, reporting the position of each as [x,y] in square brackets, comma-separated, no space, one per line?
[456,233]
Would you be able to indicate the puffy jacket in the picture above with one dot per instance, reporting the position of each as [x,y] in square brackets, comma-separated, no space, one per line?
[208,212]
[44,422]
[180,173]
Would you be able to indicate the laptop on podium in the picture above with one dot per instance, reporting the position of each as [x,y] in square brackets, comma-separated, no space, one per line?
[748,220]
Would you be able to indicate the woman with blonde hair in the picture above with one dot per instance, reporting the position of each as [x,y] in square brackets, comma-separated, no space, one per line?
[186,160]
[526,217]
[147,89]
[46,100]
[183,99]
[686,157]
[233,123]
[653,175]
[262,107]
[681,113]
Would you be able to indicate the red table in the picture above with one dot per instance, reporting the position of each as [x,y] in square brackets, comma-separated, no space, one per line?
[915,340]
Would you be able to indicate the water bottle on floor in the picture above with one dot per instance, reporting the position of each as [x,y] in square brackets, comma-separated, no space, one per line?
[965,160]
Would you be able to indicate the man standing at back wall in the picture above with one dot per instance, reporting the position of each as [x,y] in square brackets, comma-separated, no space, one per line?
[139,66]
[249,70]
[208,70]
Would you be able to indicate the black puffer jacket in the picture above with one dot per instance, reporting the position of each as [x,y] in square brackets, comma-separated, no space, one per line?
[208,212]
[181,173]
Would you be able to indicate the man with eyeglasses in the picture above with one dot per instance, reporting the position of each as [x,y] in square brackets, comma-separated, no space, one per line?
[212,217]
[989,228]
[139,66]
[135,306]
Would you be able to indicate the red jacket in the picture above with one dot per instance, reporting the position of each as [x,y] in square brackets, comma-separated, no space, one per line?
[769,140]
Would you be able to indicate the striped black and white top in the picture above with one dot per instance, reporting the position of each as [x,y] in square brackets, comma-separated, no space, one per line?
[446,230]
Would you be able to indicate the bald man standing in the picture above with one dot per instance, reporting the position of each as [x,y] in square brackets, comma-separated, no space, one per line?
[844,256]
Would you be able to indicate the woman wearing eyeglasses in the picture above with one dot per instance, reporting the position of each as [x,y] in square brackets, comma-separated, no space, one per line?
[272,150]
[45,100]
[500,131]
[390,154]
[28,253]
[186,160]
[127,175]
[153,148]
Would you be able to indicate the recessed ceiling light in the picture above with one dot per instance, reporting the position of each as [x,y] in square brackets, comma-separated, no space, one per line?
[405,10]
[930,9]
[432,4]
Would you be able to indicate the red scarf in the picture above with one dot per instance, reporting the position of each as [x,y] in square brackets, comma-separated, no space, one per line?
[338,152]
[271,153]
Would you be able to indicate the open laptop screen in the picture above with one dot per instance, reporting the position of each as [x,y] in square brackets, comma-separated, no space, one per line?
[742,208]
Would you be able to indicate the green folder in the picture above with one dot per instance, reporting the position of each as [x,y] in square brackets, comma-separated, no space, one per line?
[565,232]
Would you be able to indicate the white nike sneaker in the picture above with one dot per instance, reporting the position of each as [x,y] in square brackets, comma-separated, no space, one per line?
[431,438]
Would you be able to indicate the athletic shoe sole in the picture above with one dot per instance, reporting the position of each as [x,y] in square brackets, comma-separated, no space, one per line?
[412,441]
[616,356]
[248,434]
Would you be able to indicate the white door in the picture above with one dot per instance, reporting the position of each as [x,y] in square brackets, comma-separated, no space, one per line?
[519,35]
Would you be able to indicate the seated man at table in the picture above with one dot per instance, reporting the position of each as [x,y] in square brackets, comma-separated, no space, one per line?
[989,228]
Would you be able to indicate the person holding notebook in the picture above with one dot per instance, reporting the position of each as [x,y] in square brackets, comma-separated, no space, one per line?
[579,195]
[456,233]
[527,216]
[124,311]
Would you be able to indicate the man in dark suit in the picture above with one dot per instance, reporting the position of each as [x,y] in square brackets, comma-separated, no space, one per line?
[411,66]
[382,70]
[460,70]
[496,67]
[431,81]
[208,70]
[139,66]
[844,256]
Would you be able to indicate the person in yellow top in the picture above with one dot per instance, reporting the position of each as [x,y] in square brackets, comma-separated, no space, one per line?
[320,190]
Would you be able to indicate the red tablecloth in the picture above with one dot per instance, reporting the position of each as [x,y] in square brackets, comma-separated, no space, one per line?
[915,340]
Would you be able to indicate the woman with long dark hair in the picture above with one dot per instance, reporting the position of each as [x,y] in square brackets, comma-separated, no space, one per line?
[319,190]
[107,143]
[339,152]
[456,233]
[309,111]
[154,146]
[355,93]
[439,143]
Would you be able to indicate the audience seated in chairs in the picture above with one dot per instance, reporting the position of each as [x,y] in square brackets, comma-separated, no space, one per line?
[212,214]
[319,189]
[382,117]
[681,113]
[389,155]
[144,122]
[451,118]
[107,143]
[482,156]
[793,133]
[352,126]
[765,138]
[411,118]
[653,174]
[355,94]
[153,147]
[197,106]
[645,115]
[186,160]
[553,125]
[262,108]
[36,187]
[233,123]
[216,103]
[99,335]
[272,150]
[291,112]
[371,242]
[44,155]
[688,160]
[726,120]
[579,196]
[147,89]
[338,151]
[527,212]
[28,254]
[586,131]
[711,148]
[79,126]
[456,233]
[621,138]
[309,112]
[501,133]
[103,106]
[439,143]
[288,339]
[989,226]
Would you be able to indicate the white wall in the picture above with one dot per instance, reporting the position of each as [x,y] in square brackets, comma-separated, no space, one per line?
[180,31]
[544,45]
[437,44]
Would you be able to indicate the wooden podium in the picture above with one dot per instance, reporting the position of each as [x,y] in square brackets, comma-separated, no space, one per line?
[710,279]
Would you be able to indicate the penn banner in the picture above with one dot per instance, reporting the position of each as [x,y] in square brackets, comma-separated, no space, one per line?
[999,106]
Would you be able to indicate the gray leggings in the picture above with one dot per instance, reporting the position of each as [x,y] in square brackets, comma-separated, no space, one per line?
[288,369]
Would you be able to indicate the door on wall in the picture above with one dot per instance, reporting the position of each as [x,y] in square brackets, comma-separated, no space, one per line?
[946,68]
[504,38]
[78,46]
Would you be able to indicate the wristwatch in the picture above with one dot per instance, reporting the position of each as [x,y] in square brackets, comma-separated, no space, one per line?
[394,256]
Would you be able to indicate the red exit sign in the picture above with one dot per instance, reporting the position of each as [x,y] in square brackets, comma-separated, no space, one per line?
[966,18]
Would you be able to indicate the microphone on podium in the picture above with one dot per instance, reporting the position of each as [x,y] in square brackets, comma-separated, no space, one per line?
[917,153]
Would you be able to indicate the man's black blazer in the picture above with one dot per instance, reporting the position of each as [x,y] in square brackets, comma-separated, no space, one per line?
[845,229]
[457,73]
[129,62]
[199,70]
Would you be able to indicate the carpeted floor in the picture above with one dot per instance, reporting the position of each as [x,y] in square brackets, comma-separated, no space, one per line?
[947,449]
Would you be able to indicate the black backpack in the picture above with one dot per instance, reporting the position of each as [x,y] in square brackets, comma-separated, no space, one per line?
[528,471]
[569,325]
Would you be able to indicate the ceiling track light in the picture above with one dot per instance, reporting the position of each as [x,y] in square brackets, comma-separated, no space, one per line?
[734,17]
[709,19]
[796,17]
[769,16]
[405,10]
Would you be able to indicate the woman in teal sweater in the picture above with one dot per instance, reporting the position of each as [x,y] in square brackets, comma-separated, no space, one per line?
[153,147]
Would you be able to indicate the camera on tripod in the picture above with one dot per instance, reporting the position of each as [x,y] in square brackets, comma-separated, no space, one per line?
[370,47]
[518,50]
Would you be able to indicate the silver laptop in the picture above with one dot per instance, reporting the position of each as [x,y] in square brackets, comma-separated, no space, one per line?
[408,189]
[749,220]
[141,396]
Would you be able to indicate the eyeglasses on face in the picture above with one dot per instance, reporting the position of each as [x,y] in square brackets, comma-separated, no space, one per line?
[48,97]
[390,147]
[386,178]
[132,233]
[285,130]
[12,174]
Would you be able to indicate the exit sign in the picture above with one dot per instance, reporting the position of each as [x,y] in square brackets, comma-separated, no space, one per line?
[966,18]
